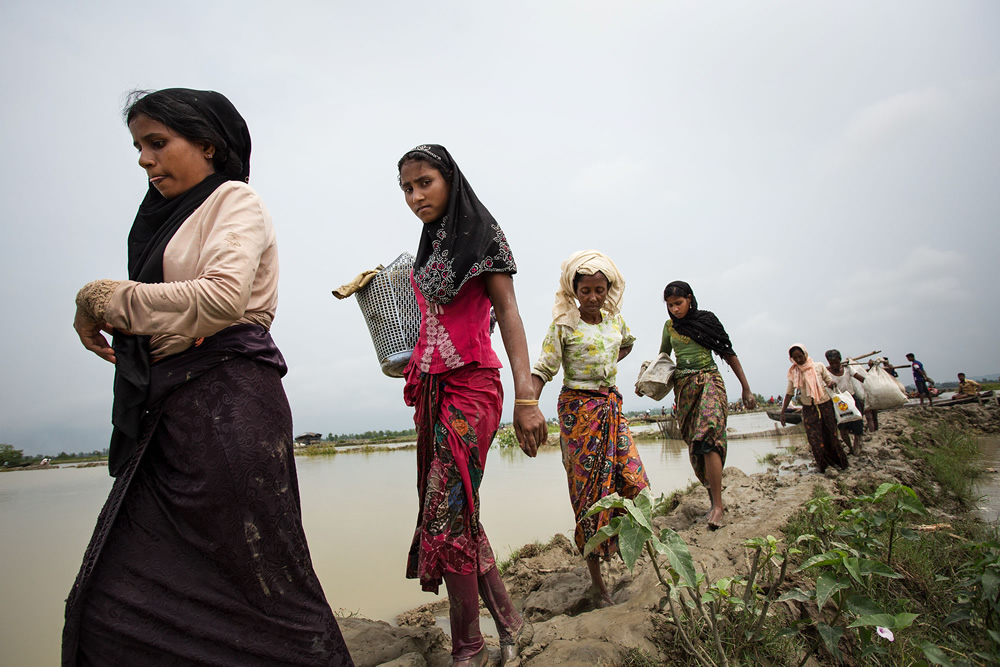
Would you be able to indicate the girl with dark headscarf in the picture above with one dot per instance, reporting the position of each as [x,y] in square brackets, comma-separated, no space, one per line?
[694,335]
[463,267]
[199,556]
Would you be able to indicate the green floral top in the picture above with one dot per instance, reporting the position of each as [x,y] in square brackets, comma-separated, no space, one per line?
[691,356]
[588,353]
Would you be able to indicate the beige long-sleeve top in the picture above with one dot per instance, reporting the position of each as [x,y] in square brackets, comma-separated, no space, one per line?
[219,269]
[825,379]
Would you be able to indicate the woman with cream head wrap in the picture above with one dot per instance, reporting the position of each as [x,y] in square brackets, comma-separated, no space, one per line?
[587,338]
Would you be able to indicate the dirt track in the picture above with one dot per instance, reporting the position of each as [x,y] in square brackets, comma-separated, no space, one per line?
[551,587]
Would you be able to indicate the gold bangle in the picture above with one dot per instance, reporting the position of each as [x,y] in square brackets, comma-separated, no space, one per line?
[525,401]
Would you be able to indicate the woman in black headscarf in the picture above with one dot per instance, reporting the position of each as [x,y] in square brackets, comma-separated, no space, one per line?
[462,269]
[199,556]
[700,393]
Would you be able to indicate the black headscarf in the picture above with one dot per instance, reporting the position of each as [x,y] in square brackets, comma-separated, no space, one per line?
[702,326]
[466,242]
[155,223]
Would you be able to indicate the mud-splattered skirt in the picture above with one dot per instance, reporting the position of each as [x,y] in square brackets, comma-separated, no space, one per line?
[199,556]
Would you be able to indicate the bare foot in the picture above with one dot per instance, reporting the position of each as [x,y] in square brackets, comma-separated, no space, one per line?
[715,518]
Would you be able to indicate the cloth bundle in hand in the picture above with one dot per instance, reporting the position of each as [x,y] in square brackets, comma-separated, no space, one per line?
[656,377]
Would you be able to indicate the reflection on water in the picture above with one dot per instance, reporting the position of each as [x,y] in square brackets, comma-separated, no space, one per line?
[359,512]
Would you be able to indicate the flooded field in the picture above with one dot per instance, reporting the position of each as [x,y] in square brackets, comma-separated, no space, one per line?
[358,508]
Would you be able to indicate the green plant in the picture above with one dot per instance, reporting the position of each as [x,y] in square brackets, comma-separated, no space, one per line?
[712,620]
[976,588]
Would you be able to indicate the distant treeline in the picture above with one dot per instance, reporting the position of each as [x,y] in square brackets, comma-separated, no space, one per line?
[372,435]
[11,457]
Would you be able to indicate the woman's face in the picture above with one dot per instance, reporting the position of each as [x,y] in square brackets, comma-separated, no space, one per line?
[797,355]
[173,163]
[425,190]
[592,292]
[678,306]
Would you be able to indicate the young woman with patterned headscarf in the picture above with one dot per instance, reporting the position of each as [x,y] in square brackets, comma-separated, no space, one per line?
[587,339]
[694,335]
[199,556]
[463,268]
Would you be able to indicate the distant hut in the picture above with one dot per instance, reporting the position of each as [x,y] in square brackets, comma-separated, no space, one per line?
[308,438]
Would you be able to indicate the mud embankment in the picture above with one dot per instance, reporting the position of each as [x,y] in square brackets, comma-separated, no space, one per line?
[550,585]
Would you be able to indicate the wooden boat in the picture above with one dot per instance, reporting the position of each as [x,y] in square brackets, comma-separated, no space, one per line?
[960,400]
[791,416]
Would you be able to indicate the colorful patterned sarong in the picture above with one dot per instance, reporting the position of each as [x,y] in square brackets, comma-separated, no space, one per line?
[457,415]
[702,410]
[600,458]
[821,430]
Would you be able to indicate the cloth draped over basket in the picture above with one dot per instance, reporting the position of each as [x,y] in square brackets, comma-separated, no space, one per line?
[385,296]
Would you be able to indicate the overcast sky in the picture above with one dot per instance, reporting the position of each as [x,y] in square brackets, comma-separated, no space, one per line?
[820,172]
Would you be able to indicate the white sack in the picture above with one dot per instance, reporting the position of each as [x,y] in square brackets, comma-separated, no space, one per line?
[882,390]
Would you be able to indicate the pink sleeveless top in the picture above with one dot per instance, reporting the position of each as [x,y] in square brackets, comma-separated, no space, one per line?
[456,333]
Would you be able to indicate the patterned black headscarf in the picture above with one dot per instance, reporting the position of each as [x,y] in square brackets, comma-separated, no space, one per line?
[701,326]
[466,242]
[155,223]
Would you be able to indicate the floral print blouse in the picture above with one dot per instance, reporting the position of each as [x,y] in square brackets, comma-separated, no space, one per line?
[588,353]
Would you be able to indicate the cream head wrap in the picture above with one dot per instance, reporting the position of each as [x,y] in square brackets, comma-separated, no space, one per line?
[586,262]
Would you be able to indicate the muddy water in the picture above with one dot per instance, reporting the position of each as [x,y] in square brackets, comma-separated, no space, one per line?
[989,484]
[358,509]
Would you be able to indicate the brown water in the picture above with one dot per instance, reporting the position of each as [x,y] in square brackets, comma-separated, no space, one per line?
[989,485]
[358,509]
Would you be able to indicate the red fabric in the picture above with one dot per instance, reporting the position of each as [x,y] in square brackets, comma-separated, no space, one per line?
[456,333]
[457,414]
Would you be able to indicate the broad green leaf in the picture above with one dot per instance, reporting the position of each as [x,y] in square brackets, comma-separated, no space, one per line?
[827,584]
[831,637]
[828,558]
[795,594]
[912,505]
[853,568]
[859,605]
[605,533]
[638,516]
[605,503]
[678,555]
[903,620]
[630,540]
[644,501]
[867,566]
[886,487]
[808,537]
[991,582]
[879,620]
[994,635]
[935,655]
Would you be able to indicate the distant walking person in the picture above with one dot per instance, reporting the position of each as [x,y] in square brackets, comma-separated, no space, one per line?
[702,407]
[811,379]
[587,338]
[920,379]
[199,556]
[844,377]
